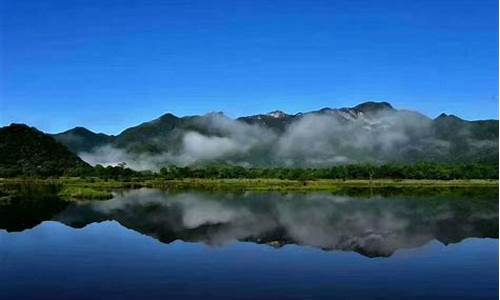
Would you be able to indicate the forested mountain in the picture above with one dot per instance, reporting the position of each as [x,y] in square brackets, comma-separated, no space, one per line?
[370,132]
[26,151]
[81,139]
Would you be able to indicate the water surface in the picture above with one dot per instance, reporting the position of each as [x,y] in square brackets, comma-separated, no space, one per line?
[153,244]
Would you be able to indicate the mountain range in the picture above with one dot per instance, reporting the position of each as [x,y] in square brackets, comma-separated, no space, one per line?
[369,132]
[372,132]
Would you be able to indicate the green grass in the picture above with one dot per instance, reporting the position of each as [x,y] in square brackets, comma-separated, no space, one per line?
[311,185]
[84,193]
[95,188]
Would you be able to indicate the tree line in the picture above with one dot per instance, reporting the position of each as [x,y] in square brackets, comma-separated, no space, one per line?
[342,172]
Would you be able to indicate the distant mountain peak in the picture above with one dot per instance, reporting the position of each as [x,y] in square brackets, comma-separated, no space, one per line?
[216,113]
[326,109]
[446,116]
[80,139]
[277,114]
[372,106]
[20,126]
[167,116]
[449,119]
[80,130]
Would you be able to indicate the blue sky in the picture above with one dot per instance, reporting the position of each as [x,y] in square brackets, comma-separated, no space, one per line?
[108,65]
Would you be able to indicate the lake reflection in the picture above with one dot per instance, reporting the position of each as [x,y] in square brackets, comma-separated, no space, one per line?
[374,226]
[138,245]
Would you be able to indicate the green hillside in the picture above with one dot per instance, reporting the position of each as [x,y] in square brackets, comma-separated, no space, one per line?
[26,151]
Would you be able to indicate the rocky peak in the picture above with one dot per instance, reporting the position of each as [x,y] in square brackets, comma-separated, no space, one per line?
[277,114]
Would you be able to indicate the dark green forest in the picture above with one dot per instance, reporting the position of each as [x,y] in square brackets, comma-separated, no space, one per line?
[345,172]
[342,172]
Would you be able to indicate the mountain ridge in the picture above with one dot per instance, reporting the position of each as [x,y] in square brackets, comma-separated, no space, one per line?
[169,115]
[369,132]
[87,139]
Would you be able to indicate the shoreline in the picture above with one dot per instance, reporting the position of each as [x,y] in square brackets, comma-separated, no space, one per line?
[98,189]
[259,184]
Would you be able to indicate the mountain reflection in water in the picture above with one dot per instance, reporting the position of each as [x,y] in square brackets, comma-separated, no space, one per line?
[372,226]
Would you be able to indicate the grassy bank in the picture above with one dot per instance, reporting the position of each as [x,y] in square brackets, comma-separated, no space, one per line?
[70,184]
[79,193]
[277,184]
[354,188]
[87,189]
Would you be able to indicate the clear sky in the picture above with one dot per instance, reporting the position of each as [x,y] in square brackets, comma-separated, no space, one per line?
[108,64]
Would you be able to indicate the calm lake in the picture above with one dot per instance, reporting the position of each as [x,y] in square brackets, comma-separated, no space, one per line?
[152,244]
